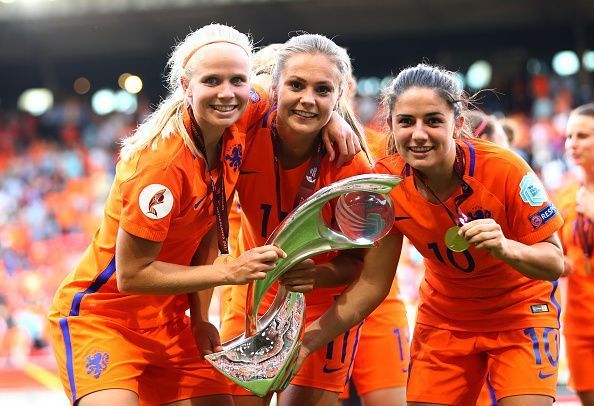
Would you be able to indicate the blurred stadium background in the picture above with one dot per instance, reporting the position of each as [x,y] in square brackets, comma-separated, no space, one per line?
[77,75]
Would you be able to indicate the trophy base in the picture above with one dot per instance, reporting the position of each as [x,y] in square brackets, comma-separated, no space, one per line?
[264,362]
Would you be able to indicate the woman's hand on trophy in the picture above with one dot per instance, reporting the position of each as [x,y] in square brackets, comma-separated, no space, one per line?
[253,264]
[207,337]
[301,278]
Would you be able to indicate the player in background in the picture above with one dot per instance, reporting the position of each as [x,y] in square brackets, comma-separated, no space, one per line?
[484,224]
[487,127]
[576,204]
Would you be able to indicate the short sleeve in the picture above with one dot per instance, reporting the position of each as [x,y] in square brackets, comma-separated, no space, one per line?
[531,214]
[150,199]
[258,106]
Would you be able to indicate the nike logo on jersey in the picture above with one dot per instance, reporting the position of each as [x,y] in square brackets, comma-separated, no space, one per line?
[398,218]
[247,172]
[199,201]
[544,376]
[330,370]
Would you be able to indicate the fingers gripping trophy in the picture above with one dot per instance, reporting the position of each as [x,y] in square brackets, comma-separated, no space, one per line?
[262,359]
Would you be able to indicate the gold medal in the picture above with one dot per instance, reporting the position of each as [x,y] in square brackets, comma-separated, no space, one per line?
[455,241]
[223,259]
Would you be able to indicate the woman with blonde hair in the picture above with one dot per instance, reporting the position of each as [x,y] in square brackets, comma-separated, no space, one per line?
[308,79]
[118,323]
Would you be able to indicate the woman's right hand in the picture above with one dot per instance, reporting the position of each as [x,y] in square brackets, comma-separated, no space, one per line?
[253,264]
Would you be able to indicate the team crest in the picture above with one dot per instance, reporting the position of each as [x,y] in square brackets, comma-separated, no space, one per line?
[254,96]
[97,363]
[155,201]
[234,155]
[311,175]
[531,190]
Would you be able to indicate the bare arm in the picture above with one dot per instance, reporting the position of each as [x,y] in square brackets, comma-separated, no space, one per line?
[341,271]
[307,275]
[542,260]
[359,299]
[205,254]
[138,271]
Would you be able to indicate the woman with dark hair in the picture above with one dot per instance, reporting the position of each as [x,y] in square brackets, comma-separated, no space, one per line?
[487,231]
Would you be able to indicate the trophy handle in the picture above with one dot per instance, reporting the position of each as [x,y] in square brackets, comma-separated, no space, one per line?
[304,233]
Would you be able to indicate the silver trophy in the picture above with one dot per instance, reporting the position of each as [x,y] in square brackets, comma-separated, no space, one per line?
[262,359]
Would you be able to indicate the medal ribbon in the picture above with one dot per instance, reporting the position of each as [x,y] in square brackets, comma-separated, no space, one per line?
[459,168]
[585,233]
[218,189]
[308,184]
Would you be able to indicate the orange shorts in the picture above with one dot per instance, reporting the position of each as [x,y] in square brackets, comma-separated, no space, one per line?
[384,350]
[487,396]
[328,368]
[160,364]
[449,367]
[580,359]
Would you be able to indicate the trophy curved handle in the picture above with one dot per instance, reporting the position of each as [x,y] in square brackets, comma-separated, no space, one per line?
[304,233]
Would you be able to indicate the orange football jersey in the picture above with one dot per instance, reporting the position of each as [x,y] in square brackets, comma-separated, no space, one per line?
[471,290]
[159,195]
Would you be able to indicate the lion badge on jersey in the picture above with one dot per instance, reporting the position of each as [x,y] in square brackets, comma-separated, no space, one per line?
[97,363]
[155,201]
[234,155]
[532,191]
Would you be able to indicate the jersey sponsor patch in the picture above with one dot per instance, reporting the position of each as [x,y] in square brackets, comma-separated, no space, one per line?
[532,191]
[540,308]
[542,216]
[155,201]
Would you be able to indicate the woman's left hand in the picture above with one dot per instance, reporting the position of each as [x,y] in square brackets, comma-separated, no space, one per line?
[301,278]
[486,234]
[340,134]
[207,337]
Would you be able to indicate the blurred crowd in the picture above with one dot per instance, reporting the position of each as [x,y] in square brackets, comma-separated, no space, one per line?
[57,169]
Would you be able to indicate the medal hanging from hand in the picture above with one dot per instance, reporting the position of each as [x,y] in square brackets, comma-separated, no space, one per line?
[218,192]
[585,234]
[308,184]
[453,240]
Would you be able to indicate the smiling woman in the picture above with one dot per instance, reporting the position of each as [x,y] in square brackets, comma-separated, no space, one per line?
[148,259]
[309,83]
[484,224]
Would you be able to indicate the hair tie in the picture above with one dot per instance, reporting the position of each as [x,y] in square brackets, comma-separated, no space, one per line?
[187,58]
[481,127]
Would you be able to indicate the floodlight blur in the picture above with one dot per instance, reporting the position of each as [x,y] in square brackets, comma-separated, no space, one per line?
[36,101]
[103,102]
[460,78]
[479,75]
[535,67]
[385,82]
[566,63]
[122,80]
[7,1]
[133,84]
[82,85]
[125,102]
[368,86]
[588,60]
